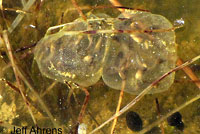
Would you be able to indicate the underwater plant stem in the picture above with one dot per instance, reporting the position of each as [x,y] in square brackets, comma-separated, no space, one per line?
[20,75]
[23,2]
[189,72]
[87,110]
[15,10]
[159,115]
[38,98]
[87,96]
[117,4]
[2,13]
[18,91]
[145,91]
[83,108]
[78,9]
[119,105]
[19,82]
[20,16]
[49,89]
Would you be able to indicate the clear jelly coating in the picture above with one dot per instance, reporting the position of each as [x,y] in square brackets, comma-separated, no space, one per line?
[137,47]
[142,55]
[71,55]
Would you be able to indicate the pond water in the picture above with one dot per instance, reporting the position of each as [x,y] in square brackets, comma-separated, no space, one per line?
[103,99]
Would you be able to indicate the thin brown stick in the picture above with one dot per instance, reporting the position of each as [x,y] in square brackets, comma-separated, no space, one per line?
[115,31]
[49,89]
[87,96]
[14,10]
[117,4]
[19,83]
[18,91]
[189,72]
[2,13]
[106,6]
[88,112]
[119,105]
[83,108]
[25,48]
[78,9]
[11,85]
[159,115]
[29,85]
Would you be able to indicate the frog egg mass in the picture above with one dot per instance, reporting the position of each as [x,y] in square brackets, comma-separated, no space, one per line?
[137,47]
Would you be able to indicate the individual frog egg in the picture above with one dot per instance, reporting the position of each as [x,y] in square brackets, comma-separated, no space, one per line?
[142,55]
[71,55]
[134,121]
[176,120]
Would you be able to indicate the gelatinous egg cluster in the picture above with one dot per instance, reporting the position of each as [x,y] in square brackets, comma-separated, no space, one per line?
[137,47]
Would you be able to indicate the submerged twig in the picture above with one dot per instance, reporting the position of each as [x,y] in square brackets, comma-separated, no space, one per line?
[189,72]
[159,115]
[14,10]
[2,13]
[21,76]
[19,83]
[119,105]
[20,72]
